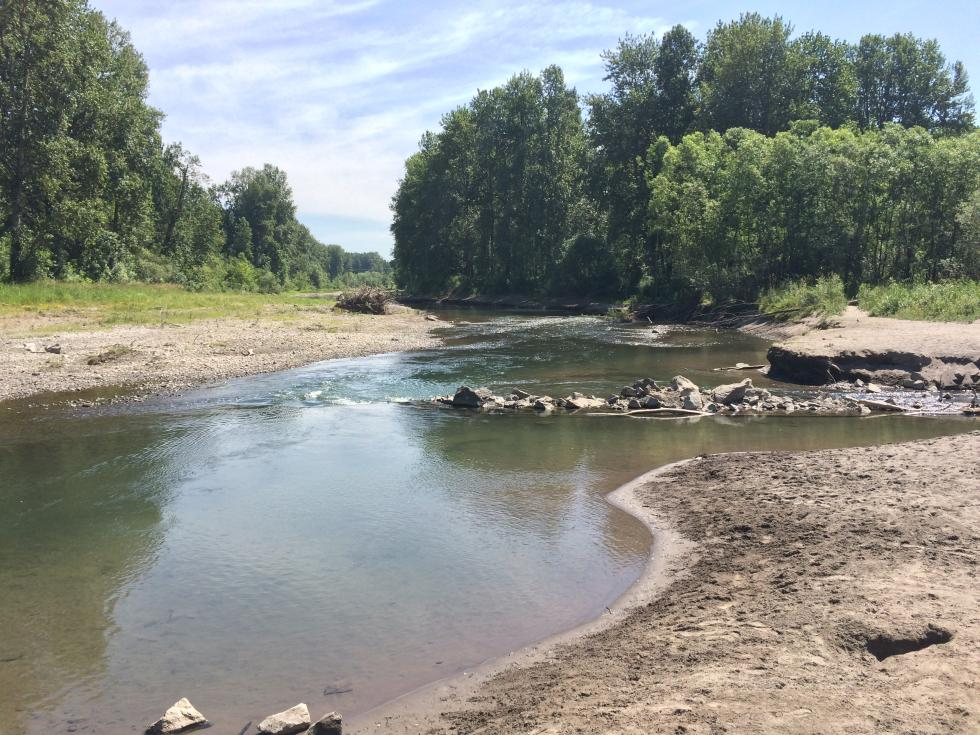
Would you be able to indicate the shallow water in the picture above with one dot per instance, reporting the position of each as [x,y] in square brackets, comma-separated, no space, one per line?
[289,537]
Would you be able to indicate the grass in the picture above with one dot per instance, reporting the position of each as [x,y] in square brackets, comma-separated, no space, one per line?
[800,299]
[105,304]
[952,301]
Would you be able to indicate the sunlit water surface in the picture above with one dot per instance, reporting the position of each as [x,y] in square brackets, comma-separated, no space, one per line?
[317,535]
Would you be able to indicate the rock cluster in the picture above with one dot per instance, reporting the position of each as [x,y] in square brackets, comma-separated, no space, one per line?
[183,717]
[680,397]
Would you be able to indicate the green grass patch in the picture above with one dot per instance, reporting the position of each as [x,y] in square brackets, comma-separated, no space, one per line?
[952,301]
[799,299]
[147,304]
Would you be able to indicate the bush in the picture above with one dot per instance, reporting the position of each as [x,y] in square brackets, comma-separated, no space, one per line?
[952,301]
[365,300]
[804,298]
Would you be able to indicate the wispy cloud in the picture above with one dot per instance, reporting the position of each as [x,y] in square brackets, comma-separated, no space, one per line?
[339,93]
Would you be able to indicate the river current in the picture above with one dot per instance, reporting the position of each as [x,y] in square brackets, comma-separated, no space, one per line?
[323,535]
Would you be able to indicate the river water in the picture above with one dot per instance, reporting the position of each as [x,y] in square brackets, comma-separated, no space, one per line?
[318,535]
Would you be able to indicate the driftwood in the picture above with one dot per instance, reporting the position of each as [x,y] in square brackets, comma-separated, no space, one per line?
[739,366]
[664,412]
[881,405]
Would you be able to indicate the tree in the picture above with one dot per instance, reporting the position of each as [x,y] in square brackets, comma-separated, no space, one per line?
[745,75]
[906,80]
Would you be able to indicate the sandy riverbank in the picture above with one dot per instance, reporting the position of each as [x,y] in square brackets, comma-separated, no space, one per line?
[886,351]
[170,357]
[789,593]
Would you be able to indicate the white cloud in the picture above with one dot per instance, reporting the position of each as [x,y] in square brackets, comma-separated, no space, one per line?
[338,93]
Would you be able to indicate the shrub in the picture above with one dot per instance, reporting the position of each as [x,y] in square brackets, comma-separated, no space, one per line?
[952,301]
[800,299]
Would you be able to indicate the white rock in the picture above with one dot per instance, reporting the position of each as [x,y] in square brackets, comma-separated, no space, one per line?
[293,720]
[179,718]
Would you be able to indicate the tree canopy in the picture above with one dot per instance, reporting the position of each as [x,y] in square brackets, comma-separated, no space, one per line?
[88,190]
[707,170]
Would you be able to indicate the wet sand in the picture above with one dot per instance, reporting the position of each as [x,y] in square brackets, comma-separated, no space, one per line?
[170,358]
[830,591]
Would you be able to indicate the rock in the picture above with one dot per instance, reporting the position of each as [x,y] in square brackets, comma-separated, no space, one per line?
[179,718]
[330,724]
[575,403]
[680,383]
[713,407]
[466,397]
[634,404]
[54,349]
[432,318]
[521,394]
[731,393]
[293,720]
[872,388]
[628,391]
[691,400]
[653,402]
[32,347]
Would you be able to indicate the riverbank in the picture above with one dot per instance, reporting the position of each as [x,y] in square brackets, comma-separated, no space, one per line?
[828,591]
[856,346]
[51,353]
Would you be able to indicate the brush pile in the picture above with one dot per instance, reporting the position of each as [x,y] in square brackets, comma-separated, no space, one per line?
[366,300]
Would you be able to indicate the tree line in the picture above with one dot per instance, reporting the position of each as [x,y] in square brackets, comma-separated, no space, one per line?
[708,170]
[89,190]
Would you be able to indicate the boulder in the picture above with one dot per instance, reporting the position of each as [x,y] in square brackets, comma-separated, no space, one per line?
[628,391]
[466,397]
[731,393]
[179,718]
[680,383]
[653,402]
[330,724]
[521,394]
[293,720]
[691,400]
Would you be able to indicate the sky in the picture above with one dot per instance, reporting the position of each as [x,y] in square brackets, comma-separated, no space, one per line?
[338,92]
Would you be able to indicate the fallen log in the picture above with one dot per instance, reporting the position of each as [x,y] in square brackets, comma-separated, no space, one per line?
[738,366]
[881,405]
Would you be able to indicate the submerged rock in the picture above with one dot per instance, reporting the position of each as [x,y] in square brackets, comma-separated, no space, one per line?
[181,717]
[330,724]
[293,720]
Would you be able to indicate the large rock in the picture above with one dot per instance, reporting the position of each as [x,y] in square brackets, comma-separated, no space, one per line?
[293,720]
[731,393]
[680,383]
[466,397]
[330,724]
[691,400]
[179,718]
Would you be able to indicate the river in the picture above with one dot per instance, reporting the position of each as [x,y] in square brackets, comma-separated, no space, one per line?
[321,535]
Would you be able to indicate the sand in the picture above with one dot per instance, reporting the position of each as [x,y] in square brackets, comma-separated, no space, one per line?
[779,580]
[170,358]
[886,351]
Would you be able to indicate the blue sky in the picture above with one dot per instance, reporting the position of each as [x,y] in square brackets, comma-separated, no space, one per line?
[338,92]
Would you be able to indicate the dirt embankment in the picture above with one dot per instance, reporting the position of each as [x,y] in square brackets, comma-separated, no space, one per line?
[886,351]
[170,358]
[820,592]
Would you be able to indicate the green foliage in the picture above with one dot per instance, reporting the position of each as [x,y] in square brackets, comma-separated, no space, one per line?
[88,190]
[798,299]
[708,172]
[140,303]
[950,301]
